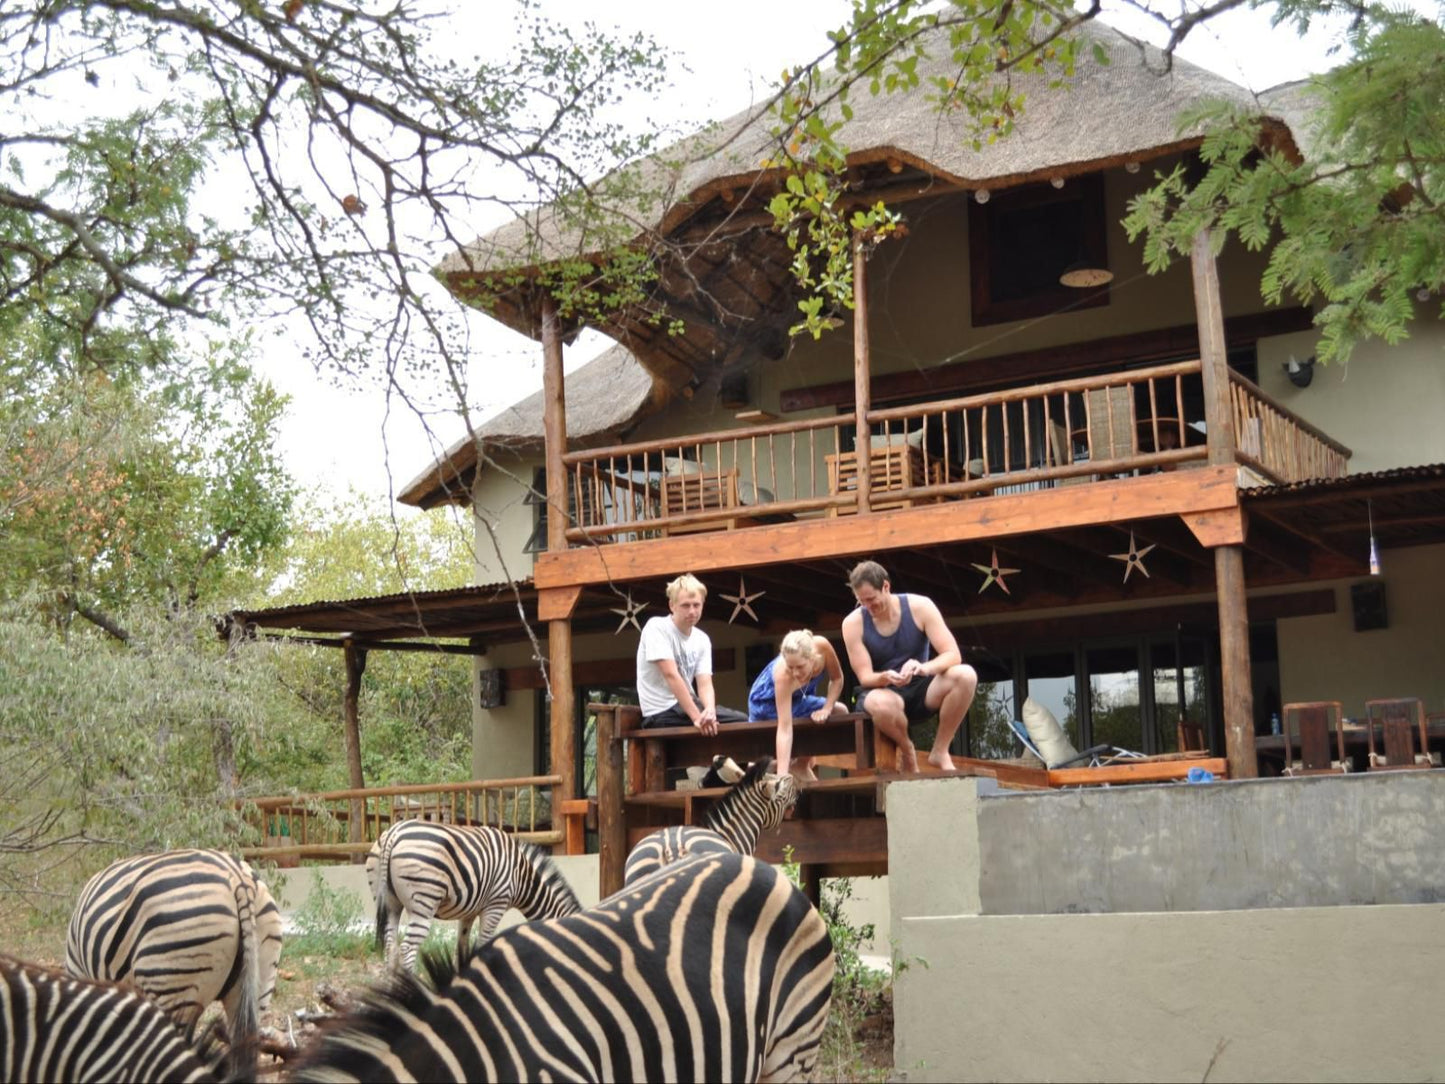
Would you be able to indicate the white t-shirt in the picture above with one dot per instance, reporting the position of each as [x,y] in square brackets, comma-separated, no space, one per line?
[662,639]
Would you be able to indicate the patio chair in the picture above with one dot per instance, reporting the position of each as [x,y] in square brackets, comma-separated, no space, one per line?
[1401,721]
[1088,758]
[1308,725]
[1191,736]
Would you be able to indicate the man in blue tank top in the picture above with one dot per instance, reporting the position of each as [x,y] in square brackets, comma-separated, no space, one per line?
[907,663]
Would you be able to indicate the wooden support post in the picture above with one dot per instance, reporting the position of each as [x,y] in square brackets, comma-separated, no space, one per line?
[1213,356]
[355,659]
[562,712]
[611,825]
[1234,662]
[554,426]
[862,395]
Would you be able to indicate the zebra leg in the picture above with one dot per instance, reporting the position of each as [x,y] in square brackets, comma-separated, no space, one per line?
[414,927]
[464,936]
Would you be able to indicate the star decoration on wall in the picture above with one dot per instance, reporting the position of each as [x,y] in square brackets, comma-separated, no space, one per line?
[1134,558]
[629,613]
[994,574]
[742,601]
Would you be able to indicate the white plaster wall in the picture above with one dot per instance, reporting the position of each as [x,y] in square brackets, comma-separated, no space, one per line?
[1324,658]
[498,498]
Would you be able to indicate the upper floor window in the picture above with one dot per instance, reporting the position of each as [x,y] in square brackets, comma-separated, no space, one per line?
[1023,239]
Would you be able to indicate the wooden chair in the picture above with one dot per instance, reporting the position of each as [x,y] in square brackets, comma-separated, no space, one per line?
[891,468]
[1401,721]
[1309,725]
[706,490]
[1191,736]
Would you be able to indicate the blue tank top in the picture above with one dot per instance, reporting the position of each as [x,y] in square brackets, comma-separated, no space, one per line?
[762,698]
[907,641]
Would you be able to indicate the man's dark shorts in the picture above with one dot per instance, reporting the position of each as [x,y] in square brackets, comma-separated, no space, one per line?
[915,710]
[675,716]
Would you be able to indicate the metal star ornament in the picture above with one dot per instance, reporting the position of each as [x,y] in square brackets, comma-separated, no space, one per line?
[994,574]
[629,613]
[742,601]
[1134,558]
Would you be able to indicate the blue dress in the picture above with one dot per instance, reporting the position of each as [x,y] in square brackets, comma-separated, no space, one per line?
[763,697]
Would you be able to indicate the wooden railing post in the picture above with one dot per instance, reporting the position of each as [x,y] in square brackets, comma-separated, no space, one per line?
[1213,354]
[611,825]
[862,394]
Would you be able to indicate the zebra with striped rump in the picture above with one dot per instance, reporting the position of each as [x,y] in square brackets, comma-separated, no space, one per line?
[56,1027]
[184,927]
[715,968]
[423,870]
[756,803]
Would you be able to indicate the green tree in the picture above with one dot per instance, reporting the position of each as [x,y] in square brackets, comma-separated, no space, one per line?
[141,487]
[1354,227]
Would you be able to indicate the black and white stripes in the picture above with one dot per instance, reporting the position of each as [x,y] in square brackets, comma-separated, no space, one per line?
[425,871]
[184,927]
[56,1027]
[714,968]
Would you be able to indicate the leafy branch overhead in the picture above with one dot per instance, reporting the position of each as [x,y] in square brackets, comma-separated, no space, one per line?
[1353,227]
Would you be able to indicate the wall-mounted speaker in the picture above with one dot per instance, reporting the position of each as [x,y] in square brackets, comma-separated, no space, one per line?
[491,688]
[1367,601]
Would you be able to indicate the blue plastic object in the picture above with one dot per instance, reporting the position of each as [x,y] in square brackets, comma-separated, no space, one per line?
[1200,775]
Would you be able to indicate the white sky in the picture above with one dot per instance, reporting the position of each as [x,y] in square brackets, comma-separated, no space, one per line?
[336,439]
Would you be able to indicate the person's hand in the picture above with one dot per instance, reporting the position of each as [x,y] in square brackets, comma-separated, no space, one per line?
[821,715]
[707,722]
[911,669]
[895,677]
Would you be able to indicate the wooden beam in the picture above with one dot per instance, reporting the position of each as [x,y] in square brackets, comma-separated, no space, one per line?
[557,602]
[1100,503]
[1148,771]
[1222,527]
[355,660]
[1053,362]
[861,403]
[615,671]
[562,714]
[1234,662]
[554,425]
[611,825]
[1213,352]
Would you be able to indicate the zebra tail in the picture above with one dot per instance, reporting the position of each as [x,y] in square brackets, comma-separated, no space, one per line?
[383,877]
[246,1028]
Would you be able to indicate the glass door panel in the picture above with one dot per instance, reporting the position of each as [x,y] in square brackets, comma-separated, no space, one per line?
[1115,713]
[1174,684]
[1051,683]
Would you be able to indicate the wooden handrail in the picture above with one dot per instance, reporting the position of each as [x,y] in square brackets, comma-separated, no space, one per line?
[1274,404]
[1036,391]
[718,436]
[400,789]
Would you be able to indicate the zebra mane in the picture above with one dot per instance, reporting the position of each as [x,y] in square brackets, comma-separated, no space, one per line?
[722,812]
[549,877]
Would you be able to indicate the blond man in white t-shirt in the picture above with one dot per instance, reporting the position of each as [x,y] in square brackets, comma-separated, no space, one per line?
[674,665]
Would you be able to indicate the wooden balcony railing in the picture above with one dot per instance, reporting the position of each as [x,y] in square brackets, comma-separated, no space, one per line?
[319,825]
[1045,435]
[1279,443]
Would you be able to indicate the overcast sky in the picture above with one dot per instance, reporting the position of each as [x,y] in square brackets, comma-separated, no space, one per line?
[335,439]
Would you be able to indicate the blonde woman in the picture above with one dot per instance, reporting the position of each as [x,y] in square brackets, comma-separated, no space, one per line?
[788,688]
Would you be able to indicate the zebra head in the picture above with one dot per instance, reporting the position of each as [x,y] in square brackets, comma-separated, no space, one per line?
[757,802]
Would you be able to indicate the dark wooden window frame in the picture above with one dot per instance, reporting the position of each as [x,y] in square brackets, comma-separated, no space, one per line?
[1087,192]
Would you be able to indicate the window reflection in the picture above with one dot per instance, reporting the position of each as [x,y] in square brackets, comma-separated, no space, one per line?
[1051,683]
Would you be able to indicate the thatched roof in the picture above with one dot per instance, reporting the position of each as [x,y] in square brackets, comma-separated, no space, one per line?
[1128,109]
[604,398]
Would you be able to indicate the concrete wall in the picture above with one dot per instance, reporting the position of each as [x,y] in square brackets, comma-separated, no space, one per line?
[1177,981]
[1324,658]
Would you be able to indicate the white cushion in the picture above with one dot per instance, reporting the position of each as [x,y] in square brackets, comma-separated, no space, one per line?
[676,464]
[1048,736]
[914,438]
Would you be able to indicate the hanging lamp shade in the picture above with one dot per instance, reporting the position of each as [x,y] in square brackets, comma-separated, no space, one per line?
[1082,275]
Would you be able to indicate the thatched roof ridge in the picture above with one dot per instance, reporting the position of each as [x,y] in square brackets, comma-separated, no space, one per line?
[604,398]
[1128,109]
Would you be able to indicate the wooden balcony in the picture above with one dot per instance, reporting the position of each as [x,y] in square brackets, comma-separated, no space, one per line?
[1045,436]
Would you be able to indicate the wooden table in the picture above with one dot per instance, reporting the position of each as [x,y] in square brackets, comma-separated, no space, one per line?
[1270,747]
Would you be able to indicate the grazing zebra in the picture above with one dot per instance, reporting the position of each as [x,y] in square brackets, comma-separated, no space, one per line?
[424,870]
[756,803]
[55,1027]
[715,968]
[184,927]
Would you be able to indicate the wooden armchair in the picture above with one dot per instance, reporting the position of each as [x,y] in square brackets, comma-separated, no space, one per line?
[703,491]
[1401,722]
[891,467]
[1309,726]
[1191,736]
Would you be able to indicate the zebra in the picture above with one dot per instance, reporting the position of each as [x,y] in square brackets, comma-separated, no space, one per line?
[756,803]
[57,1027]
[186,928]
[714,968]
[420,870]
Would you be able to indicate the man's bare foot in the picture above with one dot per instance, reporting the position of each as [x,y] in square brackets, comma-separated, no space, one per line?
[942,761]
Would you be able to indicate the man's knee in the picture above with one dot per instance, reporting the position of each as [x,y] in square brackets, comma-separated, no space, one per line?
[961,676]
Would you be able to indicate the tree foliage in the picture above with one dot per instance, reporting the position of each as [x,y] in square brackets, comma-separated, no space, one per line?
[1353,227]
[340,143]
